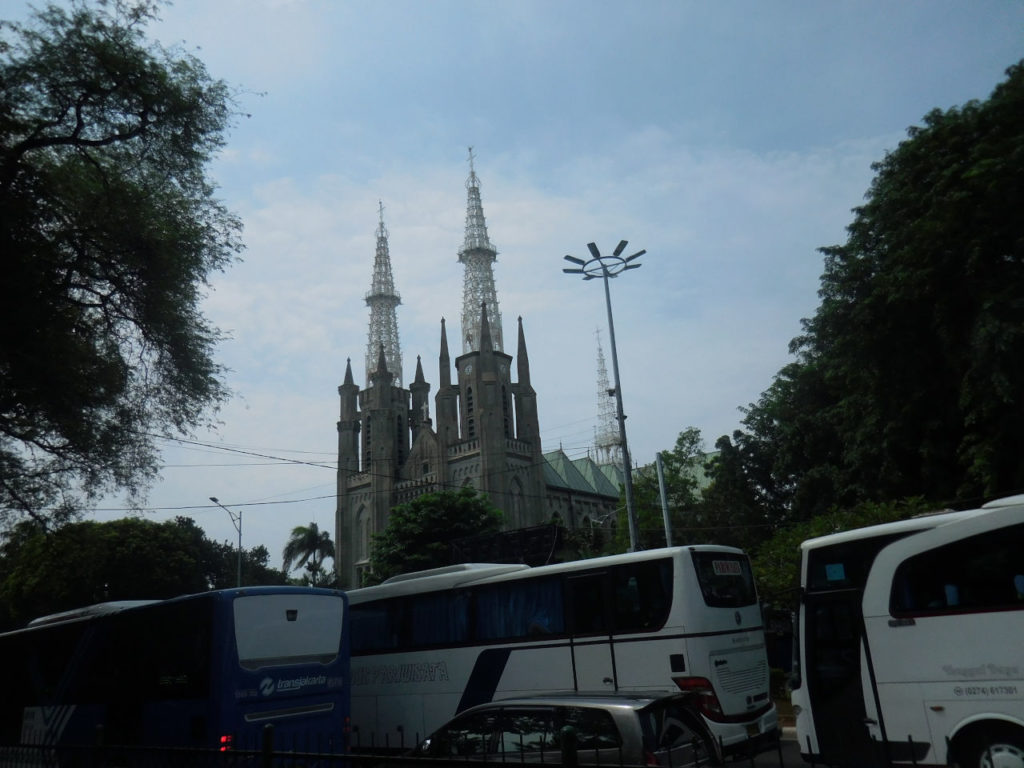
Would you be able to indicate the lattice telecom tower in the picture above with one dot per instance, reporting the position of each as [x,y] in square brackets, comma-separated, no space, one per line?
[382,299]
[479,256]
[607,442]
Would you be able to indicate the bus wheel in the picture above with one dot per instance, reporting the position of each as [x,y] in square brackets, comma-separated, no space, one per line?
[999,747]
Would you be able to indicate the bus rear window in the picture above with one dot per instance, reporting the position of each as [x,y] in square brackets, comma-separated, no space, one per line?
[725,579]
[274,630]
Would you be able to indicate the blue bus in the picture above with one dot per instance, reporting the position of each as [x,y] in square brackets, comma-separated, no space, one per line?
[209,670]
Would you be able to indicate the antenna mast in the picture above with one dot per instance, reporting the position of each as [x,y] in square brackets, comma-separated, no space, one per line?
[479,256]
[383,299]
[607,444]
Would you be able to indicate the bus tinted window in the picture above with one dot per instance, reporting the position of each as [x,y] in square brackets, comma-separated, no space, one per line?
[984,572]
[842,566]
[376,626]
[587,604]
[163,653]
[520,609]
[725,579]
[439,618]
[643,595]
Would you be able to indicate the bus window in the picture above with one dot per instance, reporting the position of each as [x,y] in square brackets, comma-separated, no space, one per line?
[845,565]
[643,594]
[376,626]
[725,579]
[439,619]
[979,573]
[520,609]
[587,604]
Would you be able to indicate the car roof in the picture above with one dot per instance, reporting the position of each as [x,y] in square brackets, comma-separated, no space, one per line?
[630,700]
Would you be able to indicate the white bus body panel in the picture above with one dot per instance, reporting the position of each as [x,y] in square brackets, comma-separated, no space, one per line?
[933,675]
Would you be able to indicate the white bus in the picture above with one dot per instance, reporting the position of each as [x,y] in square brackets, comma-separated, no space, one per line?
[910,646]
[428,645]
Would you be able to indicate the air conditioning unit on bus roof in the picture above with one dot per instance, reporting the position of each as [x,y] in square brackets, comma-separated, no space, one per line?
[478,569]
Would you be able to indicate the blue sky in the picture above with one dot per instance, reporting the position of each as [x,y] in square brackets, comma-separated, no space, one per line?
[729,139]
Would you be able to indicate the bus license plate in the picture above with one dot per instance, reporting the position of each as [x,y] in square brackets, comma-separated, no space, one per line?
[753,729]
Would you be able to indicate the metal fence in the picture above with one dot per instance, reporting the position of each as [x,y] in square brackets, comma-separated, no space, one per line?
[311,752]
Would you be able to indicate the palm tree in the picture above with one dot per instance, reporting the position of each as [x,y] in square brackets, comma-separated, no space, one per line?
[308,546]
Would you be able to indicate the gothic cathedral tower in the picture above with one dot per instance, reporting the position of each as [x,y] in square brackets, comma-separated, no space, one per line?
[487,434]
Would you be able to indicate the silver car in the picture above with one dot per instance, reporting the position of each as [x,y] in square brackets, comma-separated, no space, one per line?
[604,729]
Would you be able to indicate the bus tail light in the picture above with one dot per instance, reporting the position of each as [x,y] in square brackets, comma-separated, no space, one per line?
[227,743]
[707,699]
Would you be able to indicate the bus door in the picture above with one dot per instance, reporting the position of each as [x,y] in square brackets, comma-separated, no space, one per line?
[832,673]
[589,614]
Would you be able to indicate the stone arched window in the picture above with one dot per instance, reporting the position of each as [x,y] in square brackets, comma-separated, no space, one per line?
[362,537]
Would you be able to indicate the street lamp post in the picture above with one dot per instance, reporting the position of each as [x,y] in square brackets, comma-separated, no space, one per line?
[608,267]
[236,518]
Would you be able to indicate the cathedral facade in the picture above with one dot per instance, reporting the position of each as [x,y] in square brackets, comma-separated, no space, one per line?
[485,432]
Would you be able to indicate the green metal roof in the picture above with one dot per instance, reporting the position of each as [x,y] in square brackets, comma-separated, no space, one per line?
[580,475]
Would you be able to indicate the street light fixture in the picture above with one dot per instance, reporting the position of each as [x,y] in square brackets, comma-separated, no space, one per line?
[236,518]
[607,267]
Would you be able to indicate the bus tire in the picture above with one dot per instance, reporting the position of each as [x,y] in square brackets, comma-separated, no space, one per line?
[996,746]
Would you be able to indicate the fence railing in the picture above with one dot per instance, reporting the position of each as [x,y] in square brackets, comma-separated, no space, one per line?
[315,752]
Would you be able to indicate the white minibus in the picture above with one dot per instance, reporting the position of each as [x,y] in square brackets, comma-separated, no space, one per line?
[910,642]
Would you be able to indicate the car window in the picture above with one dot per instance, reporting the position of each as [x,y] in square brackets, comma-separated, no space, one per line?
[527,731]
[473,735]
[595,728]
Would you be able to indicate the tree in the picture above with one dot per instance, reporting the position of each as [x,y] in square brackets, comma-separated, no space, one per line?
[682,469]
[309,546]
[43,571]
[908,377]
[419,532]
[109,231]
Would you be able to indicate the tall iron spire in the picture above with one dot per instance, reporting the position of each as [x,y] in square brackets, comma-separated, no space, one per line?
[479,256]
[607,444]
[382,299]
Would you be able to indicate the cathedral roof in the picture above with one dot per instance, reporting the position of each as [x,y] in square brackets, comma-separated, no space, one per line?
[581,475]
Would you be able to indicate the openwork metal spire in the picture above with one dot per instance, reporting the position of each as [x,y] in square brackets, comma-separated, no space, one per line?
[383,299]
[607,444]
[479,256]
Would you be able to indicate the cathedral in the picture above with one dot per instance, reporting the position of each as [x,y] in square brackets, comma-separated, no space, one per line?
[485,431]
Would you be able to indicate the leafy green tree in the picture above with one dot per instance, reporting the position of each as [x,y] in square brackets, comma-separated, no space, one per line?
[908,377]
[309,546]
[682,470]
[419,532]
[109,230]
[735,504]
[43,571]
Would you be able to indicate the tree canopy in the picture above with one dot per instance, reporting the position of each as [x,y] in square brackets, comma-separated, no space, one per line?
[87,562]
[682,468]
[419,532]
[109,229]
[908,378]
